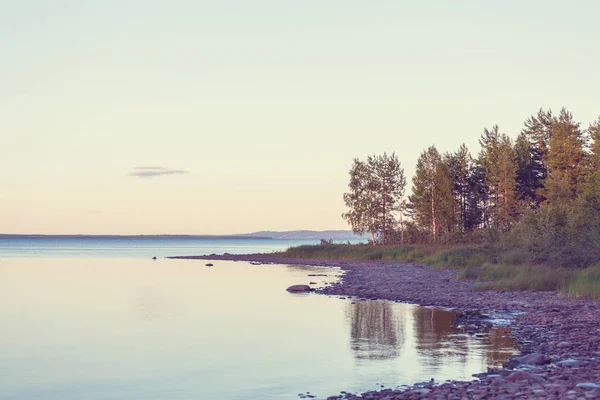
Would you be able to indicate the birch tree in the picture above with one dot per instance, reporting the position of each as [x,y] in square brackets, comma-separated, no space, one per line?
[375,196]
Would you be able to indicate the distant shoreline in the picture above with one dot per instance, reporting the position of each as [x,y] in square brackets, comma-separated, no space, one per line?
[42,236]
[336,235]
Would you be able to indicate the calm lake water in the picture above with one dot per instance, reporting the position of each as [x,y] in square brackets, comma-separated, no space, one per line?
[138,246]
[106,327]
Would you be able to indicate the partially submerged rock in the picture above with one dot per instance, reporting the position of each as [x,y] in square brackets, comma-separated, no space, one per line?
[533,359]
[299,289]
[209,265]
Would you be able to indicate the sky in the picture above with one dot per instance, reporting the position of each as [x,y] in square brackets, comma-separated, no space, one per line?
[231,116]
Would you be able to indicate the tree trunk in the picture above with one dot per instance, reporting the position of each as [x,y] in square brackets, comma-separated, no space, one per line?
[373,238]
[433,221]
[383,224]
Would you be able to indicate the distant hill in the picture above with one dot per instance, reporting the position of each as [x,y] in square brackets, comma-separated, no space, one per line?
[306,234]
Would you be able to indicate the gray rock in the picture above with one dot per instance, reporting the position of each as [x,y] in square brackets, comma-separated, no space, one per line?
[569,363]
[533,359]
[587,385]
[299,289]
[209,265]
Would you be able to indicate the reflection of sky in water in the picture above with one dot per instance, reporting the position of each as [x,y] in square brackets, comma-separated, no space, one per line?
[138,329]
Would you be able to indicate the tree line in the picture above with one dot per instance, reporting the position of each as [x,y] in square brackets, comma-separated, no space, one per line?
[540,189]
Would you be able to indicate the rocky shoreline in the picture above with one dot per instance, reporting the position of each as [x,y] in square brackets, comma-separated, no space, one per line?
[559,338]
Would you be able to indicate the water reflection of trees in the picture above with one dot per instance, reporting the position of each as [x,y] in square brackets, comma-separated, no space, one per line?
[437,340]
[433,328]
[499,344]
[376,331]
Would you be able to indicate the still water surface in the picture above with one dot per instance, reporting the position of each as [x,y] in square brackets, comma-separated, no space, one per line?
[133,328]
[139,246]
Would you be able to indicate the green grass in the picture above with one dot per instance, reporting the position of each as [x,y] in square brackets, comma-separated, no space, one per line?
[358,252]
[585,283]
[518,277]
[511,270]
[459,257]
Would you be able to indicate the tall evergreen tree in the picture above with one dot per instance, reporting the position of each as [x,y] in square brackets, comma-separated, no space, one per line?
[499,160]
[529,178]
[565,158]
[459,165]
[538,131]
[594,134]
[478,199]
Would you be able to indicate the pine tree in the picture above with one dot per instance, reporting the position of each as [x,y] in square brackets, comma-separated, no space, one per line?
[594,134]
[478,199]
[499,161]
[538,131]
[529,179]
[565,159]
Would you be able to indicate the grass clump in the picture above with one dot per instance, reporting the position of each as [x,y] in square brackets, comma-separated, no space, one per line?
[459,257]
[329,251]
[358,252]
[518,277]
[585,283]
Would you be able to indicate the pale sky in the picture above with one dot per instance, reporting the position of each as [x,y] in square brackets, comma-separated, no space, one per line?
[253,110]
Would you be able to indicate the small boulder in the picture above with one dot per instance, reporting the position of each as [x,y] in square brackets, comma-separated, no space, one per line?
[209,265]
[587,385]
[569,363]
[524,376]
[154,258]
[533,359]
[299,289]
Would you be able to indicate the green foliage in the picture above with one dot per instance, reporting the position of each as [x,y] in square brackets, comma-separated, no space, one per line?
[562,234]
[528,178]
[523,215]
[431,200]
[375,199]
[500,162]
[594,134]
[565,158]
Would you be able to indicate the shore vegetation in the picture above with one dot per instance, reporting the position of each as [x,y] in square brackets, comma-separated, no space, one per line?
[492,269]
[522,214]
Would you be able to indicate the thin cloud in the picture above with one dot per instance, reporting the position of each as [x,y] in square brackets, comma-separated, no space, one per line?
[152,171]
[151,167]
